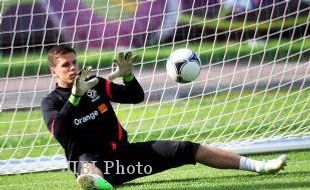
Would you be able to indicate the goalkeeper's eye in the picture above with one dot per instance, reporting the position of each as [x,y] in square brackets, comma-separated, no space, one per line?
[65,65]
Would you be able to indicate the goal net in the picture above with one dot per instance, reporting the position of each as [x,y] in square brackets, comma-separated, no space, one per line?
[252,94]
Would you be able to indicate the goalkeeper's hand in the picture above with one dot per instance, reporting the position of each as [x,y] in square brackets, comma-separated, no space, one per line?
[124,65]
[80,86]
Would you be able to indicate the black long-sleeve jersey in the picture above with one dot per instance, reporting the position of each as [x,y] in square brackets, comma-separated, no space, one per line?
[92,126]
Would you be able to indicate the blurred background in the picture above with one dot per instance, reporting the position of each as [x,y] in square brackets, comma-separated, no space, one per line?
[94,24]
[221,31]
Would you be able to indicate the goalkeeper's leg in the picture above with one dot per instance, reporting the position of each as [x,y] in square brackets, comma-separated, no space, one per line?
[223,159]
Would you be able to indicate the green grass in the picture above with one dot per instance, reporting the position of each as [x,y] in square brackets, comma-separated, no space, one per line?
[224,117]
[296,176]
[224,24]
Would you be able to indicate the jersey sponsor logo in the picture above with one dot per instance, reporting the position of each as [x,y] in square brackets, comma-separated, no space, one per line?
[102,108]
[86,118]
[92,94]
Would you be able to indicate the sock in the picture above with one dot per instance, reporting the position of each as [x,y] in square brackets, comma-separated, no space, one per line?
[250,165]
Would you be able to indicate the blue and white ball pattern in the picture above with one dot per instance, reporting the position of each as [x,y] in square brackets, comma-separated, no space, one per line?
[183,65]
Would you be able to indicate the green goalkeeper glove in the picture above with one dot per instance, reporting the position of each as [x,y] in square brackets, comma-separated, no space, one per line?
[80,86]
[124,65]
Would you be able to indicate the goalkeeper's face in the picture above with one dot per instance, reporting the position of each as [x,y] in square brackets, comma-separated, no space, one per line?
[65,69]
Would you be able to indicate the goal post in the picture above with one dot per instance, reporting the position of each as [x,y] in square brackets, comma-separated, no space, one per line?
[252,95]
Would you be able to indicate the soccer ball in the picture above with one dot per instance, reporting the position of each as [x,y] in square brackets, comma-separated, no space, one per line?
[183,65]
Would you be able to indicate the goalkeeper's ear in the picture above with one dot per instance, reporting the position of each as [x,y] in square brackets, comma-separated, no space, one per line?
[53,72]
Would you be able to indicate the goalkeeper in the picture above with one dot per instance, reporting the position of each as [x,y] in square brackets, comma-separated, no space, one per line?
[80,116]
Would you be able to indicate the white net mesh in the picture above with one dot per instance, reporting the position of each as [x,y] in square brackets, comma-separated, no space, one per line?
[253,87]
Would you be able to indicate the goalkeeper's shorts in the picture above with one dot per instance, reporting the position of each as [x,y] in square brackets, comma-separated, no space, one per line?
[135,160]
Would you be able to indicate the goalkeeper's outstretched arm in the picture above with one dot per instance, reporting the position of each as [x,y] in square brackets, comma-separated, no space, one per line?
[131,91]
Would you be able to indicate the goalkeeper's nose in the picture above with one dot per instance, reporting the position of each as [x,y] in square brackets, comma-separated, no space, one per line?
[73,70]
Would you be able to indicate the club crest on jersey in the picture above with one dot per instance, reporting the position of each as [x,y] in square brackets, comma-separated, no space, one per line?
[92,94]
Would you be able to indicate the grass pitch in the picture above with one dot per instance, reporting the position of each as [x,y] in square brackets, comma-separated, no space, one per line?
[291,109]
[223,117]
[296,176]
